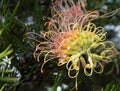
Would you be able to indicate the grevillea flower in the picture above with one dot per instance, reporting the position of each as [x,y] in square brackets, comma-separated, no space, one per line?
[74,40]
[78,47]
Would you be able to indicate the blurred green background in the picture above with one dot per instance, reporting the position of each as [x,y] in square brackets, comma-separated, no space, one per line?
[19,71]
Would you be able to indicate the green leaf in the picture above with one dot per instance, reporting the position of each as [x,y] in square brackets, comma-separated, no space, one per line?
[14,12]
[8,79]
[2,29]
[2,87]
[111,87]
[6,61]
[6,52]
[6,71]
[56,83]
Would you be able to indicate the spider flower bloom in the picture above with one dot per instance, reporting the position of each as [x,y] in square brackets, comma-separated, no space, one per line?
[78,47]
[85,46]
[74,41]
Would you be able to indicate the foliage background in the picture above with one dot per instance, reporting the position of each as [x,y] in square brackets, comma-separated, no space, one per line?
[17,17]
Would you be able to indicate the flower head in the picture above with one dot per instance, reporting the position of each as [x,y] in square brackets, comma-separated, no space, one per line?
[77,47]
[74,40]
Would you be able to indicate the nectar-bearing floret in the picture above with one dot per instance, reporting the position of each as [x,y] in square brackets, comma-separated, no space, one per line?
[66,12]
